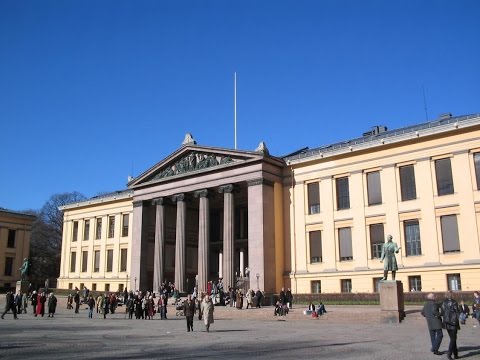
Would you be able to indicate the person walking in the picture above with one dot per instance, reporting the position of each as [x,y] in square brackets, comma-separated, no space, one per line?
[52,304]
[24,303]
[431,312]
[76,299]
[41,300]
[189,312]
[91,306]
[10,305]
[450,312]
[476,306]
[106,305]
[33,299]
[207,311]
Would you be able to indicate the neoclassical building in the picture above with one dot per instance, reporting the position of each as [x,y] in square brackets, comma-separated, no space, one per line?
[314,220]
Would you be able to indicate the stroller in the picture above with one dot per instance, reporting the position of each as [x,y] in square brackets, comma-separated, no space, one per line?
[178,307]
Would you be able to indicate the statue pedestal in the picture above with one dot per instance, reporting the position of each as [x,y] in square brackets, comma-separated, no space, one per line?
[391,301]
[22,287]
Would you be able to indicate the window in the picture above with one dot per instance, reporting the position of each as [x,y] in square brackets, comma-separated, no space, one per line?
[377,239]
[313,198]
[84,261]
[412,237]
[123,260]
[111,226]
[476,162]
[453,282]
[443,172]
[94,287]
[407,182]
[107,287]
[376,284]
[11,238]
[374,188]
[346,285]
[75,231]
[86,230]
[345,243]
[82,285]
[343,194]
[315,246]
[96,261]
[109,260]
[73,259]
[8,266]
[125,225]
[316,286]
[70,286]
[98,230]
[120,288]
[451,242]
[415,283]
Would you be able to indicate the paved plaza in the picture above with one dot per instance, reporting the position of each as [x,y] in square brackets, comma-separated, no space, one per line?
[345,332]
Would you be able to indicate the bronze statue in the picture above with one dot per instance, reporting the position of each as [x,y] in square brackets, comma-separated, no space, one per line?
[24,269]
[389,250]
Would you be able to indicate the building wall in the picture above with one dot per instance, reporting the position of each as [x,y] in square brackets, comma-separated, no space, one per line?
[21,224]
[114,279]
[433,264]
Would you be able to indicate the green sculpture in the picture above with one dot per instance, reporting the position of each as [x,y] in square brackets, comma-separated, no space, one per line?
[24,269]
[389,250]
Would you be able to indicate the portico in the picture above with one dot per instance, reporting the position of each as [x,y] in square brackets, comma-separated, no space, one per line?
[204,213]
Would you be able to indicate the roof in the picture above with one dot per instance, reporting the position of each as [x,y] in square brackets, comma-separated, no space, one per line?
[16,213]
[115,195]
[409,132]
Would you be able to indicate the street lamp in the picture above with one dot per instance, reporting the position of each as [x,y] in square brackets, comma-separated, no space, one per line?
[126,284]
[258,277]
[135,283]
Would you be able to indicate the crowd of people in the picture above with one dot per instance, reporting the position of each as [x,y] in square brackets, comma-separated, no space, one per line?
[18,303]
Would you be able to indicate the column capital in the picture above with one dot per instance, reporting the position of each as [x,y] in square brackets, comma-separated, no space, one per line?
[158,201]
[260,181]
[229,188]
[178,197]
[138,203]
[202,193]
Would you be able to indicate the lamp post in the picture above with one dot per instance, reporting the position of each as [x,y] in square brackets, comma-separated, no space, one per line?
[135,283]
[126,284]
[258,284]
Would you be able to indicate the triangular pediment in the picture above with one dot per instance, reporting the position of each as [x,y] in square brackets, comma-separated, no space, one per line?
[193,159]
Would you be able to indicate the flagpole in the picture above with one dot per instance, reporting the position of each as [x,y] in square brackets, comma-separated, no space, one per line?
[235,106]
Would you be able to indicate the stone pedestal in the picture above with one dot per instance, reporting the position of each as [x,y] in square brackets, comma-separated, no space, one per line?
[22,287]
[391,301]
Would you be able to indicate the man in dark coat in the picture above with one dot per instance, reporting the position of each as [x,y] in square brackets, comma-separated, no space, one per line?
[431,311]
[10,305]
[451,322]
[76,298]
[189,312]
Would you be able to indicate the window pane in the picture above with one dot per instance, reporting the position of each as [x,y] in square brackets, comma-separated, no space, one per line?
[125,225]
[313,198]
[415,283]
[346,285]
[443,172]
[75,231]
[476,161]
[316,286]
[315,246]
[86,230]
[412,237]
[345,243]
[111,226]
[451,242]
[8,266]
[11,238]
[123,261]
[343,194]
[96,262]
[374,188]
[73,260]
[84,260]
[377,239]
[407,182]
[454,282]
[109,260]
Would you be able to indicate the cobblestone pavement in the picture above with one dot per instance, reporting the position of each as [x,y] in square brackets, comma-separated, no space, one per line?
[349,332]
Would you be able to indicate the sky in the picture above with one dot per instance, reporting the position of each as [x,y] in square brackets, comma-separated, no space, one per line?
[94,91]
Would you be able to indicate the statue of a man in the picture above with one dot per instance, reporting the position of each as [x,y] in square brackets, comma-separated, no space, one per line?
[24,269]
[389,250]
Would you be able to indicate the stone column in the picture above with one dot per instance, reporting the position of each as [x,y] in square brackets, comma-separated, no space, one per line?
[220,264]
[137,255]
[158,260]
[203,239]
[180,242]
[242,264]
[228,235]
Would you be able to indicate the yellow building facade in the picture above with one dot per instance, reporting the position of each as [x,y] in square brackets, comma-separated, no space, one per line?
[314,221]
[15,231]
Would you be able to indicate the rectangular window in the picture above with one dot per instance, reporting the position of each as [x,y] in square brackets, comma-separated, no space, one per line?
[98,230]
[11,238]
[412,237]
[343,193]
[476,163]
[376,284]
[109,260]
[94,287]
[374,188]
[84,261]
[111,226]
[86,230]
[96,261]
[316,286]
[70,286]
[8,266]
[346,285]
[345,243]
[75,231]
[451,242]
[125,219]
[315,246]
[407,182]
[120,288]
[377,239]
[82,285]
[73,261]
[107,287]
[415,283]
[443,172]
[454,282]
[313,198]
[123,260]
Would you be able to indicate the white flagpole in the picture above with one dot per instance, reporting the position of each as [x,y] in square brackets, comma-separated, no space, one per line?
[235,106]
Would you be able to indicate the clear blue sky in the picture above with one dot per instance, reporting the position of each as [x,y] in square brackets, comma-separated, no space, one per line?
[91,89]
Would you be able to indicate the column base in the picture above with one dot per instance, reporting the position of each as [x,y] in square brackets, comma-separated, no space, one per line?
[22,287]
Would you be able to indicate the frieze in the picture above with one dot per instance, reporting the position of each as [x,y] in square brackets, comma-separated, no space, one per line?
[192,162]
[260,181]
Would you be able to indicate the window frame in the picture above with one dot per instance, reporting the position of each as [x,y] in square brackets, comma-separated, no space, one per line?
[316,285]
[98,228]
[313,200]
[451,241]
[376,247]
[408,186]
[310,240]
[111,226]
[342,250]
[86,230]
[413,247]
[125,228]
[445,186]
[374,191]
[346,286]
[456,277]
